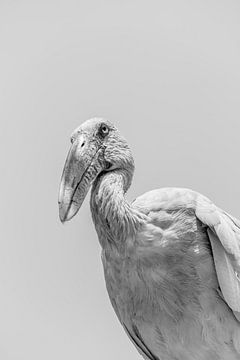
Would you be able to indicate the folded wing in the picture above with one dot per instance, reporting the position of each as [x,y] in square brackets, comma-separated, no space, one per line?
[224,235]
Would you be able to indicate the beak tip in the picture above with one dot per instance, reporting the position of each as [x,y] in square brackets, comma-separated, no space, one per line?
[66,213]
[62,220]
[62,214]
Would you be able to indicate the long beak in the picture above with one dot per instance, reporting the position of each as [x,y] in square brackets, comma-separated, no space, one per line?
[81,168]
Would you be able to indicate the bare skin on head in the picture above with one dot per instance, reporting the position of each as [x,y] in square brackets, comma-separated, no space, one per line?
[171,258]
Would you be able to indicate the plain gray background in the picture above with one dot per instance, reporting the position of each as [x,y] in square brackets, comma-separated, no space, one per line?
[168,74]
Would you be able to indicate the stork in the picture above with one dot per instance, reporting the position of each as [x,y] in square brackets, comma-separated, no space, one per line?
[171,258]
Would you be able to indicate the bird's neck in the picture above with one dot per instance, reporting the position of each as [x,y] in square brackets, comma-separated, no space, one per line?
[114,218]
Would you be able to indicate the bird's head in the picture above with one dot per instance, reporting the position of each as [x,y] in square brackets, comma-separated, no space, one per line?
[97,147]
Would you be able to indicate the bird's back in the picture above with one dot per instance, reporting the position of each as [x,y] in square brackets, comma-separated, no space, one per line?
[164,287]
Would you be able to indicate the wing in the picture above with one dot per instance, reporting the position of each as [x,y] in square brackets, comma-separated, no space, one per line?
[223,231]
[224,234]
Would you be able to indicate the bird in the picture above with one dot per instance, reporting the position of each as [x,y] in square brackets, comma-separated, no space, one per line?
[171,258]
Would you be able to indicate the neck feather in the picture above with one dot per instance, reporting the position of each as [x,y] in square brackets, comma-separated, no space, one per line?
[115,219]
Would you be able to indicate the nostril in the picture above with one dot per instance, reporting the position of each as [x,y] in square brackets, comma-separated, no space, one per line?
[83,143]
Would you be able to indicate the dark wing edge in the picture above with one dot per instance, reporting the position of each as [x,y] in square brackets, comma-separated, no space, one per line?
[136,338]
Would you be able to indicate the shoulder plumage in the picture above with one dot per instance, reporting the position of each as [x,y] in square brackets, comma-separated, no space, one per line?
[223,232]
[168,199]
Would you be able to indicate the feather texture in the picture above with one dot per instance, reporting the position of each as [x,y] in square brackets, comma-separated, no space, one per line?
[164,284]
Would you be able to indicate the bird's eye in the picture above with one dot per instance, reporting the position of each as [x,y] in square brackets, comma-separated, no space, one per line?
[104,130]
[108,165]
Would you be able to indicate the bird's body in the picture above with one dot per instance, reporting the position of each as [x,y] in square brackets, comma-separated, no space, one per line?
[164,289]
[171,263]
[161,279]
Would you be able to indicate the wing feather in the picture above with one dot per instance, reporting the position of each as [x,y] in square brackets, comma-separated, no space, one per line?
[224,235]
[226,274]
